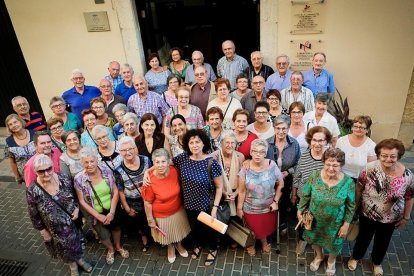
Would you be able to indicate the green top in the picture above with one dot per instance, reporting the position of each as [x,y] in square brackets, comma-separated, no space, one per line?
[104,193]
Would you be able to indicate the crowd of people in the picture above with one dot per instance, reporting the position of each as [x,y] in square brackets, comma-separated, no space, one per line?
[155,150]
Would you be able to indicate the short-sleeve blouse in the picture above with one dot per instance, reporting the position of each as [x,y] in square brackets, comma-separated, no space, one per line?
[20,154]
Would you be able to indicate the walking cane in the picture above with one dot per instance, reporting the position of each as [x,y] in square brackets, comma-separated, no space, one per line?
[277,234]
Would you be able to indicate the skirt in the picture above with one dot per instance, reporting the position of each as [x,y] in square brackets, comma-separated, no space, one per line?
[176,228]
[262,225]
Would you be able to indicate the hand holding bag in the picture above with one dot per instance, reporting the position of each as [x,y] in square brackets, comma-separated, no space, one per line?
[241,234]
[352,231]
[307,219]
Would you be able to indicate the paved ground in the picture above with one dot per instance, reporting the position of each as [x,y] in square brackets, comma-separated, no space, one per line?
[19,241]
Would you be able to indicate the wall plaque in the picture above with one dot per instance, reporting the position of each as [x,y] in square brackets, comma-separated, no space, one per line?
[301,53]
[97,21]
[307,17]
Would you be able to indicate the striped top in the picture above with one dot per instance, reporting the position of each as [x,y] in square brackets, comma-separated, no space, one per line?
[36,122]
[306,165]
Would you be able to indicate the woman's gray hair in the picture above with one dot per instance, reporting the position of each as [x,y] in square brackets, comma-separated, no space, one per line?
[42,160]
[282,119]
[259,143]
[88,151]
[97,129]
[131,115]
[119,107]
[160,153]
[126,140]
[322,97]
[56,99]
[228,134]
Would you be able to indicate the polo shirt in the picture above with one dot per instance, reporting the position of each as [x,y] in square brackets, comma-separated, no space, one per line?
[79,102]
[276,81]
[125,91]
[36,121]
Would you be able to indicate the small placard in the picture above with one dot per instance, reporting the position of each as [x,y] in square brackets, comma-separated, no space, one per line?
[307,18]
[97,21]
[301,53]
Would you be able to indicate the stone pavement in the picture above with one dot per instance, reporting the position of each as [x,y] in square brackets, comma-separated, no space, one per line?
[20,242]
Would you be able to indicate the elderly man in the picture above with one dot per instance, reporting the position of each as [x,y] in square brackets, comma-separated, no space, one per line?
[203,91]
[79,96]
[43,144]
[114,77]
[145,101]
[126,89]
[257,94]
[297,93]
[34,120]
[257,67]
[280,79]
[198,60]
[111,100]
[231,65]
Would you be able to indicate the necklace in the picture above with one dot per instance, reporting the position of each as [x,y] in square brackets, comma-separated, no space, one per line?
[25,136]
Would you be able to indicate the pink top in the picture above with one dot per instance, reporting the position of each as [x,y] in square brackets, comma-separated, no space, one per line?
[29,172]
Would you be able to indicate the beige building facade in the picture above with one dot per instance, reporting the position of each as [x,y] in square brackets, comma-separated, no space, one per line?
[369,46]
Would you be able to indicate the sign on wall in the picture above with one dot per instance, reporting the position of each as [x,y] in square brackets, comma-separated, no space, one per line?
[301,53]
[97,21]
[307,17]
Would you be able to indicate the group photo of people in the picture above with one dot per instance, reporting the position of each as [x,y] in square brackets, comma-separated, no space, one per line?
[143,155]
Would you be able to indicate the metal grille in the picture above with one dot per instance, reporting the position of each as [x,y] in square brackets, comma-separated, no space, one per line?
[12,267]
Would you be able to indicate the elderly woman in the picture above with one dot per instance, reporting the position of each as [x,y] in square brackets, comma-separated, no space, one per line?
[130,123]
[285,151]
[98,105]
[297,127]
[179,129]
[150,137]
[55,125]
[178,65]
[274,99]
[70,120]
[198,189]
[319,79]
[358,147]
[385,193]
[260,190]
[98,195]
[164,205]
[261,125]
[170,96]
[311,160]
[329,195]
[108,151]
[19,145]
[119,111]
[214,127]
[53,209]
[244,137]
[89,120]
[156,76]
[132,171]
[69,161]
[242,87]
[225,102]
[191,113]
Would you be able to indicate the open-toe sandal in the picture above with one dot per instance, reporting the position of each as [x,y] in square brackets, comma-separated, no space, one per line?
[210,261]
[145,247]
[110,257]
[352,264]
[123,252]
[266,248]
[87,267]
[251,251]
[330,269]
[377,270]
[196,252]
[314,265]
[74,271]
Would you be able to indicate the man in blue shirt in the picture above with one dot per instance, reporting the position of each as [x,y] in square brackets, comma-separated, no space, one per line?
[318,79]
[79,96]
[114,74]
[281,78]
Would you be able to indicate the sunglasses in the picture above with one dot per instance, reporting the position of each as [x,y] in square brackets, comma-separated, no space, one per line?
[43,172]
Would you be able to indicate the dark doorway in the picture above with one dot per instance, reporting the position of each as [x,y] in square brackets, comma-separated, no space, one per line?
[200,25]
[15,78]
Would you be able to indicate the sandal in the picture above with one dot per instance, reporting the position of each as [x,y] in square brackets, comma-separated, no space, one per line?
[251,251]
[87,267]
[123,252]
[314,265]
[377,270]
[352,264]
[110,257]
[266,248]
[196,252]
[74,271]
[145,247]
[330,269]
[211,261]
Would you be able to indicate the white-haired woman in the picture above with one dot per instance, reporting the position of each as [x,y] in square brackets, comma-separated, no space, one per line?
[53,208]
[119,110]
[130,124]
[70,120]
[132,170]
[98,195]
[164,205]
[260,189]
[108,151]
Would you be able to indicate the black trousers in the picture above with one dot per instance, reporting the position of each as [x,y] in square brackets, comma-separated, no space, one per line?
[285,205]
[382,233]
[201,234]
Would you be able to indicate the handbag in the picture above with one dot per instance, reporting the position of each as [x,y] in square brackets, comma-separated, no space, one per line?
[241,234]
[307,219]
[352,231]
[223,209]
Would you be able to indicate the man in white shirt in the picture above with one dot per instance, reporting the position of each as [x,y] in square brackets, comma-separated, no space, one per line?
[297,93]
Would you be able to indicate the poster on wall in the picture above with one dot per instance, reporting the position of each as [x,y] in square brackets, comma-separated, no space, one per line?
[301,53]
[307,17]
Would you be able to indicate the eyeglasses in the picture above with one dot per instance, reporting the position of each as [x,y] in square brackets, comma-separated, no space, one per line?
[126,150]
[258,82]
[98,107]
[106,86]
[258,152]
[392,157]
[261,113]
[359,127]
[43,172]
[53,129]
[273,99]
[101,138]
[21,105]
[57,105]
[199,74]
[242,81]
[321,141]
[281,63]
[283,129]
[77,78]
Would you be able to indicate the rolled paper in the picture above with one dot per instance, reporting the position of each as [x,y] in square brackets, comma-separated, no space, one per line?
[216,224]
[297,225]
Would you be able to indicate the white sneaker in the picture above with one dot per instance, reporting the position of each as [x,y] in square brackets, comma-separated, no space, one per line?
[300,247]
